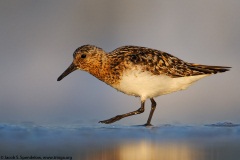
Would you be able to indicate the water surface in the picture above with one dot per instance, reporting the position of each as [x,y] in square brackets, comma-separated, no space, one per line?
[115,142]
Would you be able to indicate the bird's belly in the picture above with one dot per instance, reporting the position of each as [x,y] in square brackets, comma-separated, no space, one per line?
[147,85]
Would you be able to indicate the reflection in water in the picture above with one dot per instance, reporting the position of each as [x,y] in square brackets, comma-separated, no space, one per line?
[144,150]
[147,150]
[122,143]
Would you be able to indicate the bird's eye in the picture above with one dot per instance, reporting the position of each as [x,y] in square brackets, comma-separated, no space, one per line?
[83,56]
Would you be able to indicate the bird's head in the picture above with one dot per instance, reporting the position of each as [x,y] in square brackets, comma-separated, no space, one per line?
[83,58]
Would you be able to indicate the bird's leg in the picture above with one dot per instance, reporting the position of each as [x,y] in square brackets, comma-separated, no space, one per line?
[118,117]
[154,104]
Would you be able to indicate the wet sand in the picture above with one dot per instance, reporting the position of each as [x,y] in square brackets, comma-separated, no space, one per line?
[117,142]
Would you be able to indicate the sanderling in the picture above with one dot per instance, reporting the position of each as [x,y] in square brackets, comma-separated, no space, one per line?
[140,72]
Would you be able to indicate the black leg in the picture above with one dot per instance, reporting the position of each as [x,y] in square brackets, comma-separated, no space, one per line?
[153,107]
[118,117]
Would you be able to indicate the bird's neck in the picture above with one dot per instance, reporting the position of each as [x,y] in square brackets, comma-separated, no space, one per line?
[100,68]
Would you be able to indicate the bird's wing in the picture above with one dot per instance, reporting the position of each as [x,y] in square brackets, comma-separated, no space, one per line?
[158,62]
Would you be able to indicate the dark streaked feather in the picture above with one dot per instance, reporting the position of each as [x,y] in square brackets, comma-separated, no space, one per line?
[158,62]
[208,69]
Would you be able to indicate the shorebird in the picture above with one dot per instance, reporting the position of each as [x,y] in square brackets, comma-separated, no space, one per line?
[139,71]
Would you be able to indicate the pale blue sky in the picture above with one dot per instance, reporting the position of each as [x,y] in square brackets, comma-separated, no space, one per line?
[37,39]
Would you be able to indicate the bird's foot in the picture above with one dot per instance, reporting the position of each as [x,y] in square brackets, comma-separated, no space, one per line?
[111,120]
[148,125]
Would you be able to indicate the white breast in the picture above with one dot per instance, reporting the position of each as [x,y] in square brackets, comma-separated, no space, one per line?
[146,85]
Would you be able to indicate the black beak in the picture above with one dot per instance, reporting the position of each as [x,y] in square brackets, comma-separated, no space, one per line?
[69,70]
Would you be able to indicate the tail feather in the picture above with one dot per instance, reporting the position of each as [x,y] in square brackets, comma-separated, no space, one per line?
[208,69]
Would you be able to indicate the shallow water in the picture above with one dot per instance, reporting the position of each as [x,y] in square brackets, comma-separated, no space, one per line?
[116,142]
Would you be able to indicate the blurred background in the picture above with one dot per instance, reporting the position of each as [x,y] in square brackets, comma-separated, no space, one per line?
[37,39]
